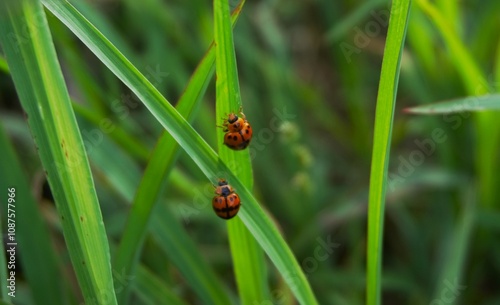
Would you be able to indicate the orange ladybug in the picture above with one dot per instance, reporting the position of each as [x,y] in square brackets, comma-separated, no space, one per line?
[238,132]
[227,203]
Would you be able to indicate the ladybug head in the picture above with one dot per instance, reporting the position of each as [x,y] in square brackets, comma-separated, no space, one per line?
[232,118]
[226,190]
[222,182]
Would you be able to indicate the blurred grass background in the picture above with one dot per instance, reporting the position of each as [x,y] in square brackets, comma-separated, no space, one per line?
[308,75]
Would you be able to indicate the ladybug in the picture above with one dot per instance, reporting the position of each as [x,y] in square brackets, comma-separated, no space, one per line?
[238,132]
[227,203]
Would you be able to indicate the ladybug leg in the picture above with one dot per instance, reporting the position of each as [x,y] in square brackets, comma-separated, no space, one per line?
[224,118]
[223,126]
[242,114]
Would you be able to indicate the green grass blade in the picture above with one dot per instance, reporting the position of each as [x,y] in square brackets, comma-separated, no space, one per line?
[159,166]
[33,63]
[386,101]
[34,244]
[198,150]
[465,104]
[248,257]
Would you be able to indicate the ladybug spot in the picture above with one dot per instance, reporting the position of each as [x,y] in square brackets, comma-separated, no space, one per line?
[220,200]
[235,138]
[232,199]
[248,131]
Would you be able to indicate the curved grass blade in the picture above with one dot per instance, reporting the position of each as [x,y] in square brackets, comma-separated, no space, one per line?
[159,167]
[386,101]
[248,258]
[259,224]
[37,76]
[465,104]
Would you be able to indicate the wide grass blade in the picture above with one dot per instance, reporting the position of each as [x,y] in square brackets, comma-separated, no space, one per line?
[386,101]
[465,104]
[248,258]
[37,76]
[259,224]
[159,166]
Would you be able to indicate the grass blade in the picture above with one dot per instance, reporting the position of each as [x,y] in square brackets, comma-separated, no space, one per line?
[465,104]
[34,67]
[159,166]
[248,258]
[259,224]
[386,101]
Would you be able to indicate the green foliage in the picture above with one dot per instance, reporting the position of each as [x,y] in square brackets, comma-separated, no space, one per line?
[370,178]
